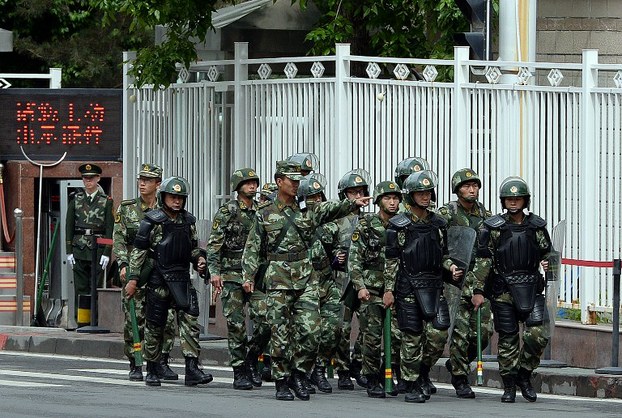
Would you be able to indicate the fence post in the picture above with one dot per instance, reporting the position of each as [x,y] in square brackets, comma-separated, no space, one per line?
[129,151]
[615,332]
[56,78]
[19,270]
[239,155]
[589,148]
[460,133]
[343,112]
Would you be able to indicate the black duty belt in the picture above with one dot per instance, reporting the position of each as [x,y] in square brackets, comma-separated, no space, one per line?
[287,256]
[232,254]
[87,231]
[321,265]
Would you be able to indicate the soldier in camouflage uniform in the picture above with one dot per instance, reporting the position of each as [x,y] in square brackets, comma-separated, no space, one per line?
[416,250]
[230,229]
[322,249]
[127,219]
[168,236]
[366,264]
[88,214]
[467,212]
[353,184]
[281,236]
[514,245]
[267,192]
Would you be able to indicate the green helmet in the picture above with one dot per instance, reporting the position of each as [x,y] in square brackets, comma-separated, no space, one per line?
[354,178]
[240,176]
[307,161]
[386,187]
[514,186]
[173,185]
[419,182]
[310,185]
[408,166]
[462,176]
[268,189]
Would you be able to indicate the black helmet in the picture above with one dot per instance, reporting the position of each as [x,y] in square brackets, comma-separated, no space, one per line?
[354,178]
[175,186]
[307,161]
[514,186]
[310,185]
[419,182]
[408,166]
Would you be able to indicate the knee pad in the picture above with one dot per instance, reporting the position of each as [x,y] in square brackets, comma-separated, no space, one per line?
[505,318]
[409,316]
[156,309]
[442,319]
[539,314]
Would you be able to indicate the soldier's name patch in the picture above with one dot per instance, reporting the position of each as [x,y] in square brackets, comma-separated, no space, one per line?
[355,236]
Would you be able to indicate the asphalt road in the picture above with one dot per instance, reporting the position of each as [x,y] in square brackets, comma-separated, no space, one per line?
[36,385]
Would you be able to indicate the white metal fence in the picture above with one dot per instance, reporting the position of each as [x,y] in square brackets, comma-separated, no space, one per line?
[535,120]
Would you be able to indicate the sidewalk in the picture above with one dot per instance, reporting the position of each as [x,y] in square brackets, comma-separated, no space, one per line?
[557,381]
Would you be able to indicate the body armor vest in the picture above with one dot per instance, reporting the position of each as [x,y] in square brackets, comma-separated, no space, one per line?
[422,254]
[174,249]
[518,250]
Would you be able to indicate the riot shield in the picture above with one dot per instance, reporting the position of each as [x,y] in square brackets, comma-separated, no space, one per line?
[460,244]
[553,274]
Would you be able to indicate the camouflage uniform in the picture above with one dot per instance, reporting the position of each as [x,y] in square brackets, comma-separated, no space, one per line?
[87,215]
[159,294]
[463,342]
[290,281]
[230,229]
[516,274]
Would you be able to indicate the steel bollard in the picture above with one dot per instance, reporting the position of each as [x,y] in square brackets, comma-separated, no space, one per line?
[19,267]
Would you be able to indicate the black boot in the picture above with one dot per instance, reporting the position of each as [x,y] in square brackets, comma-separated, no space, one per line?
[240,380]
[306,382]
[194,375]
[355,371]
[297,385]
[152,378]
[344,382]
[251,369]
[374,389]
[509,389]
[318,378]
[164,371]
[463,389]
[282,390]
[414,394]
[426,384]
[266,373]
[400,387]
[136,372]
[523,381]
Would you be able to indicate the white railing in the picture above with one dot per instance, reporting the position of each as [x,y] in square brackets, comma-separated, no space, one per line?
[557,125]
[54,76]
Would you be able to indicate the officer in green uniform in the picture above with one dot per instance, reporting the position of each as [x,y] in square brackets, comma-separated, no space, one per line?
[366,264]
[230,229]
[516,285]
[88,214]
[416,251]
[281,236]
[325,241]
[168,236]
[352,185]
[127,219]
[467,212]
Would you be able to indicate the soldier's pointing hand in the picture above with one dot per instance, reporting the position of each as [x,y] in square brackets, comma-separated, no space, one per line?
[363,201]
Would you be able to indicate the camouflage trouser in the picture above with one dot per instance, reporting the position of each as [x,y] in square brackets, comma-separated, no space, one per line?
[343,355]
[330,309]
[511,355]
[188,330]
[371,319]
[234,299]
[463,342]
[421,348]
[295,319]
[396,339]
[128,333]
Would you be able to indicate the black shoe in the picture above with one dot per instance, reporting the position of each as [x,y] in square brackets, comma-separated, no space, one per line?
[523,381]
[425,390]
[318,378]
[509,389]
[307,384]
[266,372]
[152,378]
[282,391]
[414,393]
[356,368]
[463,389]
[164,371]
[240,380]
[344,382]
[448,366]
[374,389]
[194,375]
[400,384]
[251,370]
[136,372]
[426,384]
[296,384]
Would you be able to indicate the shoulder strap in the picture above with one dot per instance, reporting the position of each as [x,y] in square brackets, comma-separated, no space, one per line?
[290,222]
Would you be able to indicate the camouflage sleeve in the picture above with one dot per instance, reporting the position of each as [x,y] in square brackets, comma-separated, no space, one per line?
[70,221]
[356,257]
[486,242]
[119,239]
[139,256]
[196,250]
[254,250]
[329,211]
[475,280]
[108,225]
[544,242]
[215,241]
